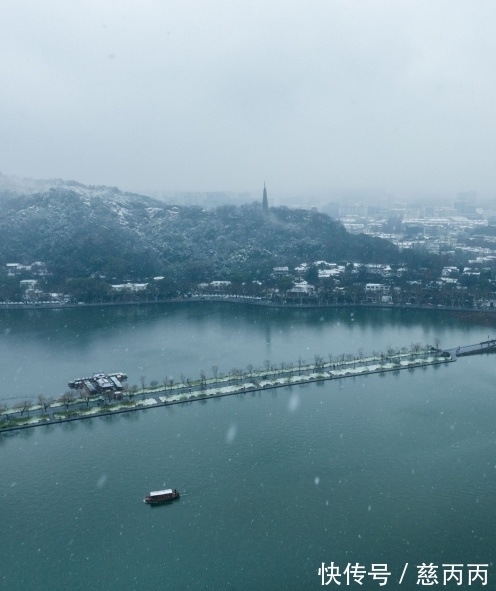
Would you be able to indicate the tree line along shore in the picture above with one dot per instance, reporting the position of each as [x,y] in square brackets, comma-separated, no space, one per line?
[75,405]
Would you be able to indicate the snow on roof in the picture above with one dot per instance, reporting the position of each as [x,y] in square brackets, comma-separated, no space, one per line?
[156,493]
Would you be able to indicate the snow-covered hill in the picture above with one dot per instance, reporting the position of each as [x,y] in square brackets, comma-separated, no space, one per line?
[80,231]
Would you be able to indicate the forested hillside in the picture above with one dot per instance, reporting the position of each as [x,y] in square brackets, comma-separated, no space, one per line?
[80,231]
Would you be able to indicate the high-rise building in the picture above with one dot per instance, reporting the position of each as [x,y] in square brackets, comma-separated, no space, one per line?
[465,203]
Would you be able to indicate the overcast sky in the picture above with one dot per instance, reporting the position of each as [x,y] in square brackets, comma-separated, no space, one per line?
[205,95]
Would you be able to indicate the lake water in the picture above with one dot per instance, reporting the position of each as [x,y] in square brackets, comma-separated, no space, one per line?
[382,469]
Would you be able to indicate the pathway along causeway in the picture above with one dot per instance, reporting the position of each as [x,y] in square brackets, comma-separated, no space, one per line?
[343,366]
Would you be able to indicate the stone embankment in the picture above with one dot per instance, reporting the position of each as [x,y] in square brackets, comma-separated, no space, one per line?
[254,301]
[235,383]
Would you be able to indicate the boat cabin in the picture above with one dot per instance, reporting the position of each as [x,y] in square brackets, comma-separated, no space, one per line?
[160,496]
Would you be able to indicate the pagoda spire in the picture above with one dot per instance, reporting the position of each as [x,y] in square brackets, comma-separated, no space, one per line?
[265,202]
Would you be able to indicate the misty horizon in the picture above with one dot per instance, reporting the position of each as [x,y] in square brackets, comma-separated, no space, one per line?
[383,97]
[28,185]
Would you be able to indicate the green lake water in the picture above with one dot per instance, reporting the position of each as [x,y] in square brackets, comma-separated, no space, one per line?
[382,469]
